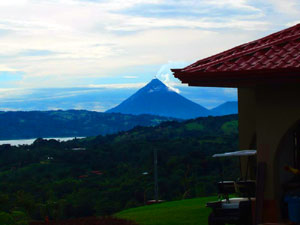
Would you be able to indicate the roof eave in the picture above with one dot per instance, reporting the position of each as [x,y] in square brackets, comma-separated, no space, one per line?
[234,79]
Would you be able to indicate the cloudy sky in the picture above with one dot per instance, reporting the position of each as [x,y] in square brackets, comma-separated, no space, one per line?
[122,44]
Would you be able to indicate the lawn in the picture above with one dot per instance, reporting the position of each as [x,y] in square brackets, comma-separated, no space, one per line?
[187,212]
[85,221]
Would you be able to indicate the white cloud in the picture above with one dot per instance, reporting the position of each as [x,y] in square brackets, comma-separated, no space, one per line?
[230,91]
[234,4]
[142,23]
[92,39]
[165,75]
[289,8]
[10,93]
[4,68]
[289,24]
[118,86]
[130,77]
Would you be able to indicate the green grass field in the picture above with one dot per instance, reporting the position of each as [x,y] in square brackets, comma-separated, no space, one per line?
[184,212]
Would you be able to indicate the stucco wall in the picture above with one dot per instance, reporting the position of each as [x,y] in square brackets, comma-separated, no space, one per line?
[277,110]
[247,124]
[269,112]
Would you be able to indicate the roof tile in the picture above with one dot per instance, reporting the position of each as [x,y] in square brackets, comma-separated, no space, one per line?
[276,51]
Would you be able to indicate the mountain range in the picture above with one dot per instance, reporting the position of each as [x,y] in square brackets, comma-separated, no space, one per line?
[226,108]
[149,106]
[158,99]
[70,123]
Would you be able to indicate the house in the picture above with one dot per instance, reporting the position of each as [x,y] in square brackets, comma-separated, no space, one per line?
[266,73]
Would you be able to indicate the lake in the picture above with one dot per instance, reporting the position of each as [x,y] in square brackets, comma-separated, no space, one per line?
[30,141]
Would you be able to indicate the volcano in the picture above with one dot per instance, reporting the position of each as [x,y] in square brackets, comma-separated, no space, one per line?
[158,99]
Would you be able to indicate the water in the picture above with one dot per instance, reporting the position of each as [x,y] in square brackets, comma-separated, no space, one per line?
[30,141]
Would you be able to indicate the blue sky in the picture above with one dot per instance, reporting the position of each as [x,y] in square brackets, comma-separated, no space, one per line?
[121,45]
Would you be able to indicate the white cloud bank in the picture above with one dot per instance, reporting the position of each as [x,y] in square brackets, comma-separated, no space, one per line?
[63,42]
[118,86]
[4,68]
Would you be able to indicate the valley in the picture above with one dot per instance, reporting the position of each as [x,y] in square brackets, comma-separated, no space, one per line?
[47,178]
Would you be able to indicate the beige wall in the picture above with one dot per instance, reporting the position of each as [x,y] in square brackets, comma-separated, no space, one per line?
[247,117]
[269,112]
[247,125]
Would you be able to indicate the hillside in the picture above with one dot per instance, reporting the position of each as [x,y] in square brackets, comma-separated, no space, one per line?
[70,123]
[49,178]
[187,212]
[158,99]
[226,108]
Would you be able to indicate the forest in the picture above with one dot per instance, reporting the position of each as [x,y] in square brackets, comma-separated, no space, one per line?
[101,175]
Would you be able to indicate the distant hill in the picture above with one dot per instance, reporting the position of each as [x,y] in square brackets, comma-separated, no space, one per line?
[71,123]
[158,99]
[225,109]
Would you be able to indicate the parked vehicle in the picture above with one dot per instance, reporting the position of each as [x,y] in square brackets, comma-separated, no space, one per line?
[235,210]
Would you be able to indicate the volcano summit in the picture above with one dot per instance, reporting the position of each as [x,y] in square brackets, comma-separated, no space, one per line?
[158,99]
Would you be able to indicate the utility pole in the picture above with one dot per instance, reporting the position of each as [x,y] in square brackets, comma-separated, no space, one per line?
[155,175]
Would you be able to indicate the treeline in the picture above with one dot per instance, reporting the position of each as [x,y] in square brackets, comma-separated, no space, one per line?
[70,123]
[105,174]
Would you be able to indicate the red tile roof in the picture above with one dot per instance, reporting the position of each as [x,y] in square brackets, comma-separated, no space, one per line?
[272,59]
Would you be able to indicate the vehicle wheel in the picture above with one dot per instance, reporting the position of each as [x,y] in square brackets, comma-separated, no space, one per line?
[211,220]
[247,220]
